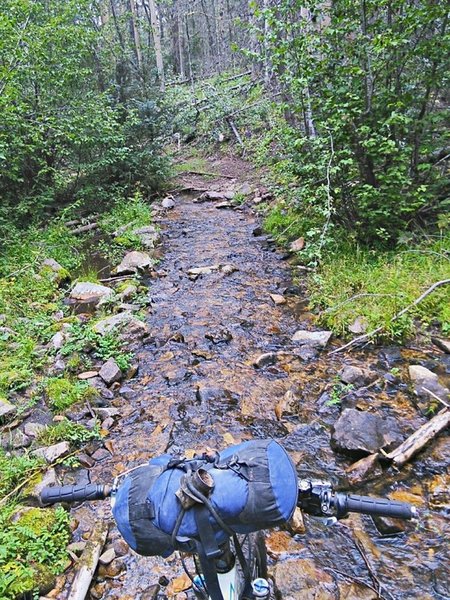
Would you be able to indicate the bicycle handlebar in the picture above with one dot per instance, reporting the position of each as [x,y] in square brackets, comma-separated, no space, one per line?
[75,493]
[318,498]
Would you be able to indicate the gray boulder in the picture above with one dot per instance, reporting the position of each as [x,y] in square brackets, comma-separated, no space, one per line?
[148,235]
[317,339]
[14,440]
[85,291]
[361,432]
[426,384]
[133,262]
[130,328]
[168,202]
[33,429]
[110,372]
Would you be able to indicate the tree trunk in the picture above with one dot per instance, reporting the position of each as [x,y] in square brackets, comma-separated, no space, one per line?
[136,35]
[154,17]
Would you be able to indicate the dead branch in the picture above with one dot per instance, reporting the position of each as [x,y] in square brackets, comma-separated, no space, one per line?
[208,174]
[419,438]
[84,228]
[233,128]
[367,336]
[88,562]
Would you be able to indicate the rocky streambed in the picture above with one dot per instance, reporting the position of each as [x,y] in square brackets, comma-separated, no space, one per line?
[227,353]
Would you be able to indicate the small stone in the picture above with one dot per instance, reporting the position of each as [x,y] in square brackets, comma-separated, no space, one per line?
[358,326]
[101,454]
[85,460]
[57,341]
[33,429]
[110,372]
[443,345]
[258,200]
[127,392]
[6,409]
[129,292]
[258,231]
[278,299]
[52,453]
[108,423]
[317,339]
[104,413]
[220,336]
[59,366]
[297,245]
[112,570]
[419,374]
[306,352]
[245,189]
[77,547]
[228,269]
[264,360]
[120,547]
[203,270]
[87,375]
[107,557]
[168,202]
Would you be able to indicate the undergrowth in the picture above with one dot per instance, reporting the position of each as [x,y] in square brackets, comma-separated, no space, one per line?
[354,283]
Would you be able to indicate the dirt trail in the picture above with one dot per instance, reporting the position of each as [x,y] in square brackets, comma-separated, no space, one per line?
[197,386]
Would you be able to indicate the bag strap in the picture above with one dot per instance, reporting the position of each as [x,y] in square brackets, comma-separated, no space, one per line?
[209,572]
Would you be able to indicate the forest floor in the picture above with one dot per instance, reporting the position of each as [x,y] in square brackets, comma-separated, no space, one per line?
[198,385]
[219,365]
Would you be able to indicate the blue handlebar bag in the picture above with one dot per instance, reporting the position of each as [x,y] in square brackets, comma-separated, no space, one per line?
[254,487]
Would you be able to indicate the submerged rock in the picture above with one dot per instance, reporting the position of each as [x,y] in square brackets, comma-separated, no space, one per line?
[318,339]
[304,575]
[361,432]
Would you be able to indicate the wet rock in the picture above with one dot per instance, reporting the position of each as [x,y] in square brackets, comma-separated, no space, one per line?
[280,544]
[278,299]
[101,454]
[442,344]
[228,269]
[197,271]
[358,326]
[356,591]
[110,372]
[127,392]
[33,429]
[220,336]
[357,376]
[222,205]
[297,245]
[306,353]
[14,440]
[103,392]
[391,356]
[85,291]
[317,339]
[107,557]
[360,432]
[97,591]
[168,202]
[389,526]
[365,469]
[426,385]
[120,547]
[152,593]
[52,453]
[245,189]
[131,328]
[87,375]
[112,570]
[264,360]
[105,413]
[85,460]
[258,231]
[303,579]
[7,410]
[133,262]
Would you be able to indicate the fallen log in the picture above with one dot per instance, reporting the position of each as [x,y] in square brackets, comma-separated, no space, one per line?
[419,438]
[88,562]
[85,228]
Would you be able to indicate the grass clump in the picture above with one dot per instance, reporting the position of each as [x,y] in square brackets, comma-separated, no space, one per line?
[67,431]
[353,282]
[62,392]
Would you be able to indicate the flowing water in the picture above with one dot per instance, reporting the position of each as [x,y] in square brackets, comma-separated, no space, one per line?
[197,386]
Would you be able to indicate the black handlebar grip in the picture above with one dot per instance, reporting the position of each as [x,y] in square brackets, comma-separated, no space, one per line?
[373,506]
[74,493]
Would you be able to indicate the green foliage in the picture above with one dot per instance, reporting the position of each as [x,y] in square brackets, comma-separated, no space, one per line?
[362,147]
[108,345]
[14,469]
[68,431]
[338,391]
[353,282]
[62,392]
[32,549]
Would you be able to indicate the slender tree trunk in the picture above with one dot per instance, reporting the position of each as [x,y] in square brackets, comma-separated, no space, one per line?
[154,17]
[136,35]
[180,42]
